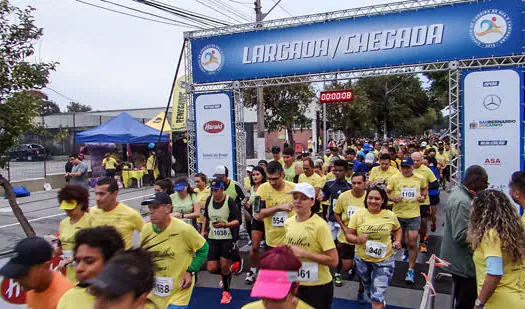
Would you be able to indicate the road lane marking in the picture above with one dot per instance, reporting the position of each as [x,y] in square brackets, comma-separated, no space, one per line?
[63,214]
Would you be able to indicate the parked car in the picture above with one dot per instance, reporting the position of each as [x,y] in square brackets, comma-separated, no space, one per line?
[29,152]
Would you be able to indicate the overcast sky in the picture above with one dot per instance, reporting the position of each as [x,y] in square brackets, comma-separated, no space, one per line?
[111,61]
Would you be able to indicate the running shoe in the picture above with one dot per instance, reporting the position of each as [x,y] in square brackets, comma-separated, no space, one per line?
[351,274]
[433,227]
[236,267]
[404,258]
[423,247]
[337,280]
[361,298]
[226,298]
[410,277]
[263,244]
[249,243]
[250,278]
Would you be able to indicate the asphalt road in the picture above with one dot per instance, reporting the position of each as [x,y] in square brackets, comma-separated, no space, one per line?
[42,211]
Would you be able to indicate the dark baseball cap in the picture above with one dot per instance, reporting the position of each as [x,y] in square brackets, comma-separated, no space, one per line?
[28,252]
[159,198]
[407,161]
[115,280]
[217,184]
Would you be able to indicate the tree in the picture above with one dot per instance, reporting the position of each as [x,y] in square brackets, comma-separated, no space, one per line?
[285,106]
[18,35]
[439,88]
[75,107]
[47,108]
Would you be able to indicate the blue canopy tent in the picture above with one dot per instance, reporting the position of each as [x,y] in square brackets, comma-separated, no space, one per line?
[122,129]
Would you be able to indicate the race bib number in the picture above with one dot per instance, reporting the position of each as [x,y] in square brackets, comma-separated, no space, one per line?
[334,202]
[408,193]
[351,211]
[163,286]
[221,233]
[309,272]
[375,249]
[66,254]
[279,218]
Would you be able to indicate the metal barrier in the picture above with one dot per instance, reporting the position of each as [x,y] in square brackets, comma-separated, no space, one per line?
[429,293]
[28,170]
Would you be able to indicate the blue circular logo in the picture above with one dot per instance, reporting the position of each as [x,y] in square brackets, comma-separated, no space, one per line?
[211,59]
[490,28]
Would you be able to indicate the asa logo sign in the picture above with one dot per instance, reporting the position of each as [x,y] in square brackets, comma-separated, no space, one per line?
[213,127]
[492,161]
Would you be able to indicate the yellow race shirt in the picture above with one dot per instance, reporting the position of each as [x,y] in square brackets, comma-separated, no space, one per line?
[315,180]
[173,249]
[274,226]
[329,176]
[67,233]
[201,197]
[259,305]
[427,174]
[281,160]
[378,227]
[347,204]
[523,220]
[150,163]
[442,159]
[77,298]
[109,163]
[510,292]
[247,183]
[289,173]
[184,206]
[378,175]
[409,188]
[123,218]
[313,235]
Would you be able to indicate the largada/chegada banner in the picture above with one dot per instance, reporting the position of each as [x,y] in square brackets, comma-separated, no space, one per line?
[443,33]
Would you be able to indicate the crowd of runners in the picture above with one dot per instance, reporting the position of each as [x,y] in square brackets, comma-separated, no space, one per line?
[312,220]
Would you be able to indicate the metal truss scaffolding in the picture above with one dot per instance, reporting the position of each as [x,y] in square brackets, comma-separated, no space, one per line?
[454,124]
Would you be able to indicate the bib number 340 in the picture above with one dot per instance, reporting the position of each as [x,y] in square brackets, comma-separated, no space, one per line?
[375,249]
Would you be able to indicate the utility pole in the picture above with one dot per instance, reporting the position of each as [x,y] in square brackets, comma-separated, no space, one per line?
[260,141]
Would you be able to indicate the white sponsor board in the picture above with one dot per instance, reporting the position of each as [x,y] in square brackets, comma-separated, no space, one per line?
[214,132]
[493,132]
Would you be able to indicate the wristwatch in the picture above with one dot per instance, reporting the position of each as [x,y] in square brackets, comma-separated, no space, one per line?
[478,303]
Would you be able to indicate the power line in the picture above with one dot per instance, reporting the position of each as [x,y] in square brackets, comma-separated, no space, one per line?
[240,2]
[218,11]
[127,14]
[282,8]
[147,13]
[203,19]
[60,94]
[234,10]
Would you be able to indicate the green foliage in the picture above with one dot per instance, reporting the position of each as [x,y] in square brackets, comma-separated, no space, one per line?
[18,76]
[47,108]
[439,88]
[284,106]
[75,107]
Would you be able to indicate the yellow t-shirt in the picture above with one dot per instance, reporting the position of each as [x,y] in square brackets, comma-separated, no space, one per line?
[67,233]
[329,176]
[201,197]
[410,189]
[510,292]
[150,163]
[442,159]
[247,184]
[347,204]
[523,220]
[398,163]
[275,232]
[315,180]
[313,235]
[378,175]
[429,177]
[289,173]
[259,305]
[173,249]
[281,160]
[378,227]
[184,206]
[77,298]
[124,218]
[109,163]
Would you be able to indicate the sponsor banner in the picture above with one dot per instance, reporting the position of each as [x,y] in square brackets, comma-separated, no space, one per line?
[178,115]
[449,32]
[215,142]
[493,116]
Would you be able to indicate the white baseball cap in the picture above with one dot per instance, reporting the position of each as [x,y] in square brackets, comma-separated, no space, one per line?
[249,168]
[370,158]
[221,170]
[304,188]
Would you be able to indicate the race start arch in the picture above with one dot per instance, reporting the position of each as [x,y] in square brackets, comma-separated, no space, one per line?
[479,43]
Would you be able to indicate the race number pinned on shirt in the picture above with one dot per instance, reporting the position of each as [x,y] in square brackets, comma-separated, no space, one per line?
[279,218]
[408,193]
[309,272]
[66,254]
[375,249]
[163,286]
[351,210]
[221,233]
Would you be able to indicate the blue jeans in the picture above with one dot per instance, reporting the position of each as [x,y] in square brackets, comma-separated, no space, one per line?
[376,276]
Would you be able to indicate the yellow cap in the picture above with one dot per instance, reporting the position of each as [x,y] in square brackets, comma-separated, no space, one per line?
[68,205]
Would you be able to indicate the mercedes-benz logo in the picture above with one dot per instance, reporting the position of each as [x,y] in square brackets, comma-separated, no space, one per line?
[492,102]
